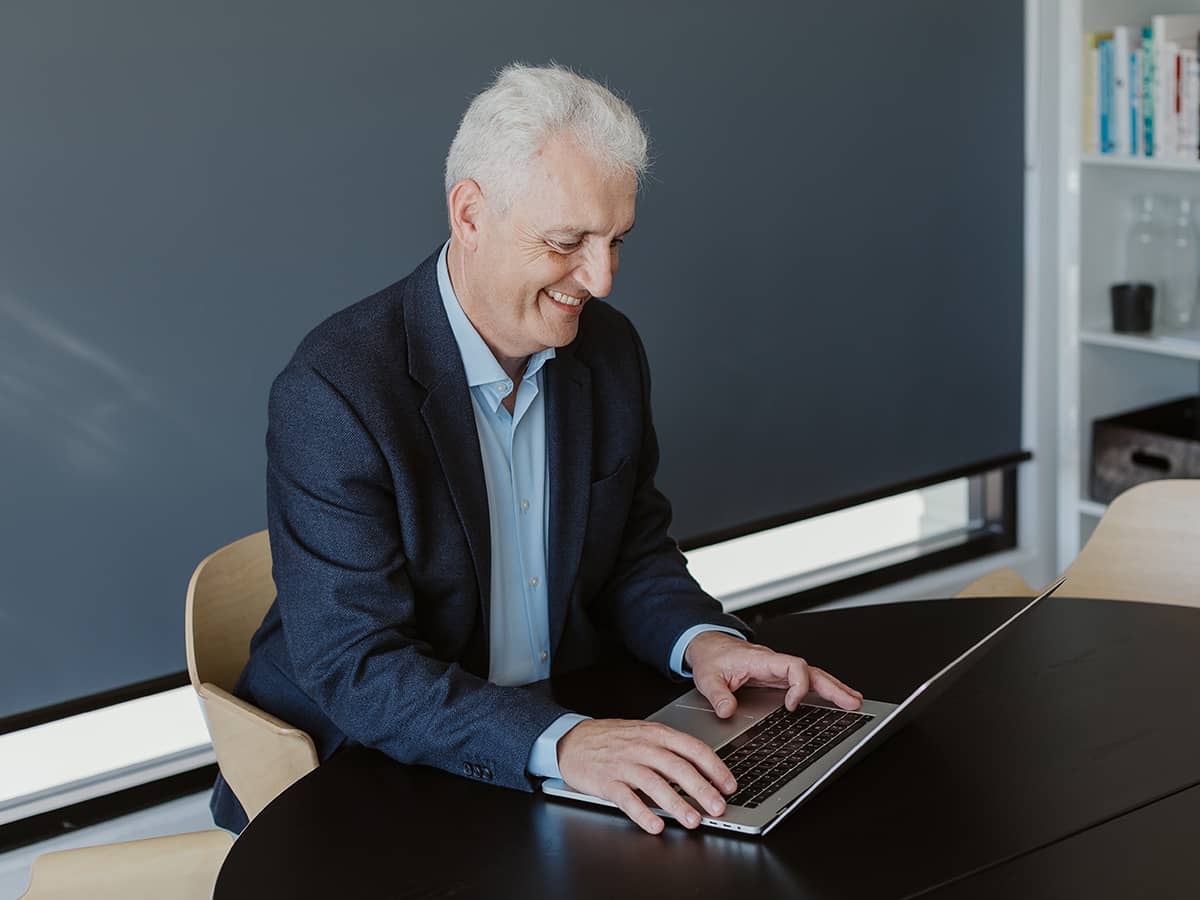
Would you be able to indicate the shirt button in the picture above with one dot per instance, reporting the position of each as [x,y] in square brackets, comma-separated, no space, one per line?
[533,582]
[524,506]
[544,656]
[504,387]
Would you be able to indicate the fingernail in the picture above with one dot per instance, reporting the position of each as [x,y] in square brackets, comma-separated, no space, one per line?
[693,820]
[716,807]
[722,706]
[730,786]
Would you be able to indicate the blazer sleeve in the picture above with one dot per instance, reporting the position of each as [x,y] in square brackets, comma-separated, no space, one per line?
[347,606]
[650,597]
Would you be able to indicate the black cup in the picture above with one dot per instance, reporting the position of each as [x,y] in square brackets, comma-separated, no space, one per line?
[1132,307]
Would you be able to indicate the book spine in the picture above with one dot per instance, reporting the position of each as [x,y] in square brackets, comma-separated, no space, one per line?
[1106,97]
[1135,102]
[1191,109]
[1148,142]
[1094,124]
[1194,108]
[1177,122]
[1120,88]
[1181,117]
[1164,100]
[1087,132]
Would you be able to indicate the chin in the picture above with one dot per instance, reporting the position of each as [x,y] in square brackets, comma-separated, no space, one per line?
[564,336]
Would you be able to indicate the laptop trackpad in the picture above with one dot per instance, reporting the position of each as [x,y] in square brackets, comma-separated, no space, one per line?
[698,719]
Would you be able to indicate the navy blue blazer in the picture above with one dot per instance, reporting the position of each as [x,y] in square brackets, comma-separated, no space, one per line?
[378,517]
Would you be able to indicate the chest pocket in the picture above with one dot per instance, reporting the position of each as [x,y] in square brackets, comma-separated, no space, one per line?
[608,511]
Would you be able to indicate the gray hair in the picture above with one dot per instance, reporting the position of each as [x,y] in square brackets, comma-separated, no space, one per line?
[506,125]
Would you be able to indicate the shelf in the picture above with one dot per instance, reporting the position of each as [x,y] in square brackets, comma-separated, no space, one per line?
[1185,345]
[1140,162]
[1092,508]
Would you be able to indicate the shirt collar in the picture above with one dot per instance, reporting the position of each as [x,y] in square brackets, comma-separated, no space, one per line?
[478,360]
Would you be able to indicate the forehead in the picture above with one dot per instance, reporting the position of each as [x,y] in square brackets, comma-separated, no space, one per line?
[569,191]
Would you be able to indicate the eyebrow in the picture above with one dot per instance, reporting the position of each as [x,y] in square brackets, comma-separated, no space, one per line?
[569,232]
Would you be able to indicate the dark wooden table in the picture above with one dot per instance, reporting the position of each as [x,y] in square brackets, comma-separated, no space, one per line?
[1149,852]
[1085,711]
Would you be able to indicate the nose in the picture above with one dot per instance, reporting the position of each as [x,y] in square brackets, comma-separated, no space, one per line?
[596,273]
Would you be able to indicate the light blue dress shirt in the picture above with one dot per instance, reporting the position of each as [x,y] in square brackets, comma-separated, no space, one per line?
[516,471]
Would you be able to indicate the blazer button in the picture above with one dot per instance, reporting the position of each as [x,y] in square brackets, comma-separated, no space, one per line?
[466,768]
[487,773]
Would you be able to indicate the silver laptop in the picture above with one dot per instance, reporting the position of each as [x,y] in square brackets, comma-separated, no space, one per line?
[780,759]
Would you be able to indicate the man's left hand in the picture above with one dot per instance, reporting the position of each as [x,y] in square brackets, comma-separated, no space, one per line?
[722,663]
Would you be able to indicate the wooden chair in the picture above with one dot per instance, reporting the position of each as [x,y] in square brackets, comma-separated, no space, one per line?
[1146,547]
[998,583]
[178,867]
[230,592]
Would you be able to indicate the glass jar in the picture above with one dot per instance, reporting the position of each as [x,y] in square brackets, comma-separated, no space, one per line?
[1145,244]
[1181,271]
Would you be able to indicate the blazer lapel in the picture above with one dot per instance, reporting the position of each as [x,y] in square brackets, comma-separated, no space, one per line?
[569,449]
[434,361]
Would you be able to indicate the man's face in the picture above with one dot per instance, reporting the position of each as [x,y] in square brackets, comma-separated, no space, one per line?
[535,267]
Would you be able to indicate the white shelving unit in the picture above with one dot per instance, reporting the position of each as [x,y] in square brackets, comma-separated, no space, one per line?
[1102,373]
[1165,345]
[1131,162]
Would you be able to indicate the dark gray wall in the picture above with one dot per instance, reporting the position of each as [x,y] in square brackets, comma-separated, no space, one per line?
[826,268]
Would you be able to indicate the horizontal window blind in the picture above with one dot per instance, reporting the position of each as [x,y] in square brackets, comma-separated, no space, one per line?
[827,266]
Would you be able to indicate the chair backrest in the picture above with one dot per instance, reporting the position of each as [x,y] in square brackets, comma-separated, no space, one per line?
[998,583]
[177,867]
[1146,547]
[228,596]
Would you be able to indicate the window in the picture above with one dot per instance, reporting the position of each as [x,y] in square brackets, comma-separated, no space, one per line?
[793,566]
[770,572]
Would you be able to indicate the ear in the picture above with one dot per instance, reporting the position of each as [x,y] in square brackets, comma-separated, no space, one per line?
[466,208]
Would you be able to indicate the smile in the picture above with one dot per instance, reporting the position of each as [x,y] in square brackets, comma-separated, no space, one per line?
[565,299]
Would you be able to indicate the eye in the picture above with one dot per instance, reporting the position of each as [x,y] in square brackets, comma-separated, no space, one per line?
[564,246]
[617,242]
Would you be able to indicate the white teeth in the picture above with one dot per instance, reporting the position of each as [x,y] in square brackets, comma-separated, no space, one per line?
[564,298]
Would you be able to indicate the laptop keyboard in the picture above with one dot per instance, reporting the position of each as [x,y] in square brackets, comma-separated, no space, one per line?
[766,756]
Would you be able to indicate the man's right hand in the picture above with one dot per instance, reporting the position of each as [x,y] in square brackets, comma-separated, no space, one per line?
[613,758]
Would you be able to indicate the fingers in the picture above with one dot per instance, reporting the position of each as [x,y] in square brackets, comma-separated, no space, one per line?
[700,756]
[797,681]
[655,786]
[627,762]
[679,771]
[716,691]
[630,804]
[800,678]
[665,798]
[834,690]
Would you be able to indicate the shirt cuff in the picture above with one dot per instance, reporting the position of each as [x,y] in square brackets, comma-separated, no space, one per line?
[543,758]
[678,666]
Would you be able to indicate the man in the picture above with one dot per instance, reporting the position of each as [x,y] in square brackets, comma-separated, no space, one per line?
[461,488]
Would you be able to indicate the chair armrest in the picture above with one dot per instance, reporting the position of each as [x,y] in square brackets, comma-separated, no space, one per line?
[998,583]
[259,755]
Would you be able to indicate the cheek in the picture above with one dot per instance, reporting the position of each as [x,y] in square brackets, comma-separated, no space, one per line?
[552,271]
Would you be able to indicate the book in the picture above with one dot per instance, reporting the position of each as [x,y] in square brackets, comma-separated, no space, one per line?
[1148,140]
[1194,108]
[1120,90]
[1091,90]
[1170,34]
[1136,140]
[1189,104]
[1104,85]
